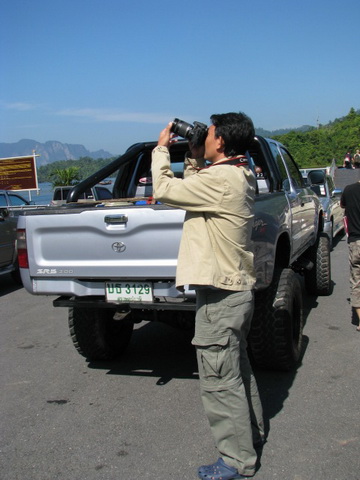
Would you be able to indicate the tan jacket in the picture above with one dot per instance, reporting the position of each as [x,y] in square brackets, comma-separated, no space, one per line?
[216,246]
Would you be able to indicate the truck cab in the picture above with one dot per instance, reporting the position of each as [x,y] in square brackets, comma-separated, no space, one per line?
[89,195]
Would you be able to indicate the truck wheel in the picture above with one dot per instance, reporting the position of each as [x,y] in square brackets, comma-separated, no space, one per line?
[16,276]
[331,235]
[318,279]
[275,338]
[178,319]
[16,273]
[96,335]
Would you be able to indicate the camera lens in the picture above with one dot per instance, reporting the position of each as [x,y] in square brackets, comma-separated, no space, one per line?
[181,128]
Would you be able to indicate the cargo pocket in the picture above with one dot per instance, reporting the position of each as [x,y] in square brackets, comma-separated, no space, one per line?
[214,362]
[239,298]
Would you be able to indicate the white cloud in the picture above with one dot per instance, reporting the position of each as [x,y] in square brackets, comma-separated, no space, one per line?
[94,114]
[20,106]
[104,115]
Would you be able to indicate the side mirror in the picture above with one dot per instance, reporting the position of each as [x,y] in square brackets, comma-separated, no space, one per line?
[4,212]
[316,177]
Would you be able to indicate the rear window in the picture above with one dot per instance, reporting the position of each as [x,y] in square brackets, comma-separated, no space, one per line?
[103,193]
[61,193]
[16,200]
[3,202]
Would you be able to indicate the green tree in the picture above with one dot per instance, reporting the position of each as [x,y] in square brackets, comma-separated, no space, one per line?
[318,147]
[87,166]
[65,176]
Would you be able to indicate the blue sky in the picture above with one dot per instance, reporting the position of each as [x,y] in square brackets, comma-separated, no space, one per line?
[109,73]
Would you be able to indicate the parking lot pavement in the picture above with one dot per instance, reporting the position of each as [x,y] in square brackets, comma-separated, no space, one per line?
[141,417]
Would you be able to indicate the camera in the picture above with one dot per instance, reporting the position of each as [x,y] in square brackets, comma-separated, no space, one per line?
[196,134]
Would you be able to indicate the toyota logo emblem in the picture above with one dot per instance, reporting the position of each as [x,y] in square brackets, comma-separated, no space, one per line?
[118,247]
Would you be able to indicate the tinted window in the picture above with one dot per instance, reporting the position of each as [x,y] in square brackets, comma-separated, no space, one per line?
[57,195]
[287,168]
[319,190]
[61,193]
[282,170]
[294,173]
[87,195]
[16,200]
[331,184]
[103,193]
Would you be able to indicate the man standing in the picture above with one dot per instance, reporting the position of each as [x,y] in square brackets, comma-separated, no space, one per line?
[350,200]
[216,258]
[356,159]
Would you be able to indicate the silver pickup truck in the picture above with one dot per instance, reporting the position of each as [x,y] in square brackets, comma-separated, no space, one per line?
[113,262]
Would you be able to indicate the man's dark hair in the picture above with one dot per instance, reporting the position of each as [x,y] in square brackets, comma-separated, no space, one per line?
[237,131]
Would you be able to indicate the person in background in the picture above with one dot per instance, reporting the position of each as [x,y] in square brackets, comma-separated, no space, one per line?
[356,159]
[216,259]
[350,201]
[347,161]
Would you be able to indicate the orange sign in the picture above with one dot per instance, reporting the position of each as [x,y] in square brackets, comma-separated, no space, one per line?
[18,173]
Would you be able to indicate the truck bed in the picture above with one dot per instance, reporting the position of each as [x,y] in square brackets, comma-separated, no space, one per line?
[94,244]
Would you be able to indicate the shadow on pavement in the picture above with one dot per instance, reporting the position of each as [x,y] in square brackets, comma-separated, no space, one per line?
[156,350]
[160,351]
[8,284]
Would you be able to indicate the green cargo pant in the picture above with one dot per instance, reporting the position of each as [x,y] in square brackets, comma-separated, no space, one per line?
[228,387]
[354,260]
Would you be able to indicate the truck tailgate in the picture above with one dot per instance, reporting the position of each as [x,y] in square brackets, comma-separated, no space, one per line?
[132,242]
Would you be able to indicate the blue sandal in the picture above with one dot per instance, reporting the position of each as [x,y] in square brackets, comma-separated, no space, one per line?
[218,471]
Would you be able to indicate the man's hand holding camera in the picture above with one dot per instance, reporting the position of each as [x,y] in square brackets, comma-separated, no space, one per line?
[166,137]
[196,136]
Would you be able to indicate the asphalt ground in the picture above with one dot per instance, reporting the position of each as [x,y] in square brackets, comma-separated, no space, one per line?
[141,418]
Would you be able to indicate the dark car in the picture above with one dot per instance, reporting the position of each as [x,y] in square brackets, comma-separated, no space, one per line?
[329,196]
[11,199]
[10,206]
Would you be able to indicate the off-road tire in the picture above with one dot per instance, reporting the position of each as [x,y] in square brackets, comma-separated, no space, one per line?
[331,235]
[275,339]
[96,335]
[15,274]
[178,319]
[318,279]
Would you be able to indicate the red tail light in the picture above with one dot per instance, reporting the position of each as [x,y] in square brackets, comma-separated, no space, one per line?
[22,249]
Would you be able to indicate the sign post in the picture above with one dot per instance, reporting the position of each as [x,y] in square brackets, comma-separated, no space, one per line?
[19,173]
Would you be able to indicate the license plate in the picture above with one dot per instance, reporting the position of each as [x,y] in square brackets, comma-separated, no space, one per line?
[129,292]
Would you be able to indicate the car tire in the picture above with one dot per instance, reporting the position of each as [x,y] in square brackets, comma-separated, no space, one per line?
[331,235]
[318,279]
[96,335]
[16,275]
[275,339]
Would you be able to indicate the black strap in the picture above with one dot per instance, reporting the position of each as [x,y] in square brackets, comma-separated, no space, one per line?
[232,161]
[239,161]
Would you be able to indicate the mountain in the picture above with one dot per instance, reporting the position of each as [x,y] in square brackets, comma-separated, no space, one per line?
[49,152]
[282,131]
